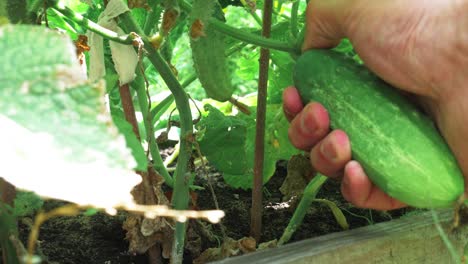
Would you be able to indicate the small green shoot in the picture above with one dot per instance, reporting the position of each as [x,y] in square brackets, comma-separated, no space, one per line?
[310,192]
[337,213]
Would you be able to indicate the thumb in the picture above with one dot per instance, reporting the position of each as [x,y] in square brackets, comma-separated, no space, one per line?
[325,23]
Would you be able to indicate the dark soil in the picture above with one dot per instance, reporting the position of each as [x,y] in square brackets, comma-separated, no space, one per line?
[100,238]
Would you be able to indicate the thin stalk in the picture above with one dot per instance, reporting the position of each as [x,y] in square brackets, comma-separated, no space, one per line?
[180,197]
[310,192]
[251,38]
[243,35]
[293,21]
[139,86]
[453,252]
[256,213]
[158,110]
[252,12]
[129,109]
[90,25]
[256,17]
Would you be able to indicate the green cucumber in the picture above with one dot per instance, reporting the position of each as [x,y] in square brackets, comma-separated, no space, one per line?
[397,145]
[209,51]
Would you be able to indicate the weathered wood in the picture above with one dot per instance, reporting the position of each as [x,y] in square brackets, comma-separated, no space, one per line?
[411,239]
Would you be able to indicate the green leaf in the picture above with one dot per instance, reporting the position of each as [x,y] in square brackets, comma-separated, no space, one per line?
[26,203]
[280,77]
[139,14]
[57,137]
[17,10]
[56,20]
[133,143]
[76,5]
[3,10]
[223,141]
[228,142]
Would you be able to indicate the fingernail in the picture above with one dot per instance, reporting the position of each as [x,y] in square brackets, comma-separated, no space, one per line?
[329,151]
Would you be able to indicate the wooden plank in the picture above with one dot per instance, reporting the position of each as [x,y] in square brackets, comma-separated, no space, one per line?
[411,239]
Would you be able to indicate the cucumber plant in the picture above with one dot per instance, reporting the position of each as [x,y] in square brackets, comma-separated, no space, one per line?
[202,43]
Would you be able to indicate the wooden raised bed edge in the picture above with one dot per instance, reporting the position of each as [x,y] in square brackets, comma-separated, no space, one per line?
[410,239]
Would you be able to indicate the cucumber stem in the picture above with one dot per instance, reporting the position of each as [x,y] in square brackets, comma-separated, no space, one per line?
[139,86]
[180,197]
[90,25]
[243,35]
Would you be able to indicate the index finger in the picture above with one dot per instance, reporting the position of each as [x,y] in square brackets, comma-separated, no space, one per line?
[292,103]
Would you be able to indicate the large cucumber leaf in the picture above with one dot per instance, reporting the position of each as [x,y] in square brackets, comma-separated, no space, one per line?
[228,142]
[56,137]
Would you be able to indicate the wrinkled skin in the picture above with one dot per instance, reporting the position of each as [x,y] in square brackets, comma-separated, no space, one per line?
[418,46]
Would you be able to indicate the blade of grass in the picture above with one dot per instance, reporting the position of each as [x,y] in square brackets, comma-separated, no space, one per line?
[310,192]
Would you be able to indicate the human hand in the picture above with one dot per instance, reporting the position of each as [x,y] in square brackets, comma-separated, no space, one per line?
[420,47]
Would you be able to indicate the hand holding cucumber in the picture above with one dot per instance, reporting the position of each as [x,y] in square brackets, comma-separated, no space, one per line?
[420,47]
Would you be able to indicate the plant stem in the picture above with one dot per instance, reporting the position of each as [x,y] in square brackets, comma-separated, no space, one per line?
[256,213]
[293,21]
[180,197]
[158,110]
[453,252]
[310,192]
[252,12]
[90,25]
[139,85]
[251,38]
[129,109]
[243,35]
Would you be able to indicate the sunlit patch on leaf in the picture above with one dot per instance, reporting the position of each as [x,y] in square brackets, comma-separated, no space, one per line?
[57,139]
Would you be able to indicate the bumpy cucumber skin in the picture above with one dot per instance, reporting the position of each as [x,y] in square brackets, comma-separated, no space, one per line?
[208,53]
[399,147]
